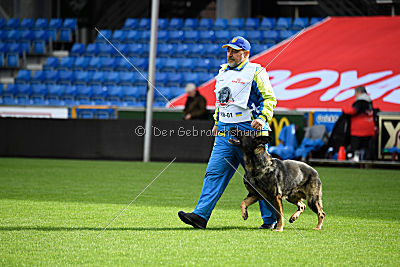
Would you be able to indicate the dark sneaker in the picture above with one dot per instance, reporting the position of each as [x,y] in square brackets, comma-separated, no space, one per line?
[268,226]
[193,219]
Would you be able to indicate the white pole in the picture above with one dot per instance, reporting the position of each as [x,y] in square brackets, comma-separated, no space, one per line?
[151,79]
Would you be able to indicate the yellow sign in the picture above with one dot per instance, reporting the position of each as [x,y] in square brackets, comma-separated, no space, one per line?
[278,127]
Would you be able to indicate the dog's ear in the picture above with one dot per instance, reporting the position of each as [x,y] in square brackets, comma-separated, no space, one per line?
[234,142]
[263,140]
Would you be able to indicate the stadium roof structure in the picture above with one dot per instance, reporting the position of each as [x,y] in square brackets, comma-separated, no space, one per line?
[322,65]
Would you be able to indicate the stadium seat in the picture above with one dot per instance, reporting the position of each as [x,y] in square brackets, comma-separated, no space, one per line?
[103,36]
[255,37]
[144,24]
[267,24]
[181,50]
[97,78]
[54,93]
[66,77]
[51,76]
[12,23]
[24,92]
[177,91]
[258,48]
[161,79]
[81,63]
[222,36]
[165,50]
[87,114]
[27,23]
[141,78]
[120,48]
[55,24]
[205,24]
[283,23]
[39,93]
[205,77]
[187,64]
[65,35]
[41,24]
[100,94]
[131,95]
[239,33]
[24,76]
[115,95]
[37,77]
[25,46]
[203,64]
[77,50]
[2,36]
[51,63]
[251,24]
[212,50]
[207,37]
[162,95]
[3,23]
[144,37]
[191,77]
[130,24]
[196,50]
[13,47]
[162,37]
[176,36]
[299,24]
[107,64]
[314,20]
[190,24]
[26,35]
[220,24]
[82,77]
[66,63]
[39,47]
[84,94]
[174,79]
[132,36]
[105,50]
[127,78]
[140,63]
[94,64]
[171,64]
[8,93]
[91,50]
[271,37]
[135,49]
[160,62]
[13,60]
[191,36]
[118,36]
[13,35]
[121,64]
[112,78]
[236,24]
[69,95]
[175,24]
[162,23]
[286,34]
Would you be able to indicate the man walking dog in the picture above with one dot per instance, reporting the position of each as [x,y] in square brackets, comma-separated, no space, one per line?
[245,100]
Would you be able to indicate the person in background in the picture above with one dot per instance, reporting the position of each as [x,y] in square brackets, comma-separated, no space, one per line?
[195,107]
[362,126]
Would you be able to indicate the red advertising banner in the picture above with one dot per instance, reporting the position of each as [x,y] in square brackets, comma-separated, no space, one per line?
[321,66]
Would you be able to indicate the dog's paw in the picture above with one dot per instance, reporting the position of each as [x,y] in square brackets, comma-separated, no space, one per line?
[278,230]
[317,228]
[292,219]
[245,215]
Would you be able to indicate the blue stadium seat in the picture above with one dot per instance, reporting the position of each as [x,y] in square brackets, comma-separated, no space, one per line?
[217,64]
[87,114]
[105,50]
[162,95]
[66,63]
[121,64]
[205,24]
[130,24]
[24,92]
[135,49]
[267,24]
[177,91]
[222,36]
[51,76]
[174,79]
[77,50]
[190,24]
[39,93]
[40,35]
[271,37]
[51,34]
[100,94]
[84,95]
[181,50]
[145,50]
[131,95]
[97,78]
[66,77]
[258,48]
[7,95]
[13,60]
[127,78]
[91,50]
[39,47]
[191,36]
[165,50]
[27,23]
[212,50]
[70,23]
[205,77]
[286,34]
[107,63]
[81,63]
[299,23]
[54,93]
[175,24]
[236,24]
[197,50]
[171,64]
[37,77]
[132,36]
[69,95]
[2,36]
[144,24]
[103,36]
[140,63]
[162,37]
[162,23]
[141,78]
[41,24]
[239,33]
[314,20]
[13,35]
[51,63]
[191,77]
[251,24]
[55,24]
[118,36]
[24,76]
[94,64]
[82,77]
[187,64]
[145,37]
[220,24]
[207,37]
[255,37]
[12,23]
[65,35]
[26,35]
[25,46]
[175,36]
[13,48]
[161,79]
[123,48]
[112,78]
[115,95]
[283,23]
[204,64]
[160,62]
[2,23]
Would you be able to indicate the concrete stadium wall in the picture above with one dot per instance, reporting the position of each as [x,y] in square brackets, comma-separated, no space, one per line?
[188,141]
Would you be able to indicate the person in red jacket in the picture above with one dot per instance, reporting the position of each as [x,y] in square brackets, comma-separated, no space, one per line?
[362,126]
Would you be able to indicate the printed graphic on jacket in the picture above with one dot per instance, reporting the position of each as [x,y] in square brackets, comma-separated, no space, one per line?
[225,97]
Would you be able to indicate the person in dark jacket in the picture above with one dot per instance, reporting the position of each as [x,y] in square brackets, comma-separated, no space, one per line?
[195,107]
[362,126]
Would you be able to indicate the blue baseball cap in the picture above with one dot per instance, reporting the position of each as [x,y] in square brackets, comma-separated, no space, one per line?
[238,43]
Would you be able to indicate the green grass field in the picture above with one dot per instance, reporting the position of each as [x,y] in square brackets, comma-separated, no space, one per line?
[52,210]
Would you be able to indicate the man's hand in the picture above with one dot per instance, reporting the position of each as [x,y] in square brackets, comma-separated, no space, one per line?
[258,124]
[215,130]
[188,116]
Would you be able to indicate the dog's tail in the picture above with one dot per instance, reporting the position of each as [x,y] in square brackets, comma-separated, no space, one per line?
[314,199]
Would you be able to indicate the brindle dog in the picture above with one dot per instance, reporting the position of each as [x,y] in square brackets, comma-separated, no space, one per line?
[277,179]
